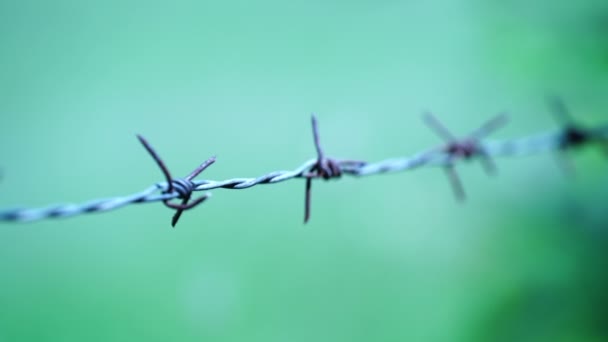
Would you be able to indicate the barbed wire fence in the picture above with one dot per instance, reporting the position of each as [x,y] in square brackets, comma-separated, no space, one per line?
[474,146]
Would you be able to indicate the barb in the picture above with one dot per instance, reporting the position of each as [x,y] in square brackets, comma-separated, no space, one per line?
[326,168]
[182,187]
[573,135]
[465,149]
[456,150]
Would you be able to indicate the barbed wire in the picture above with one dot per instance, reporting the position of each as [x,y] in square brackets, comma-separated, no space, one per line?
[473,146]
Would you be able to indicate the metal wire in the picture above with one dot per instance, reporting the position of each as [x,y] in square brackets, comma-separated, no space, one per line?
[560,140]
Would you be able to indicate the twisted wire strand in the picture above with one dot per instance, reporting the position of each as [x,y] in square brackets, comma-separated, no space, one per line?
[529,145]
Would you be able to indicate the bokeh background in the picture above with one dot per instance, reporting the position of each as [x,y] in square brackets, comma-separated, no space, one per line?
[384,258]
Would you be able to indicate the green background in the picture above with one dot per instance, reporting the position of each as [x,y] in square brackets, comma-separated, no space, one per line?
[384,258]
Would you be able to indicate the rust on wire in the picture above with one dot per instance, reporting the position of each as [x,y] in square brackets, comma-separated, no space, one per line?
[182,186]
[326,168]
[455,150]
[466,148]
[573,134]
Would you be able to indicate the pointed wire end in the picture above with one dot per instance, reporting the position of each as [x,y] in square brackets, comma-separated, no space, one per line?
[307,215]
[141,139]
[456,184]
[491,171]
[437,127]
[211,160]
[307,200]
[208,163]
[490,126]
[460,195]
[313,120]
[503,118]
[201,168]
[176,217]
[559,110]
[432,122]
[428,118]
[554,100]
[179,212]
[488,164]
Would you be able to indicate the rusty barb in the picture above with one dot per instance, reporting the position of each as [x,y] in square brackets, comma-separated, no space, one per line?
[455,150]
[573,134]
[181,187]
[466,148]
[325,168]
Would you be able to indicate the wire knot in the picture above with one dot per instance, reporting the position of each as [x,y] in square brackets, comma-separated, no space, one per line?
[466,148]
[325,168]
[573,135]
[183,187]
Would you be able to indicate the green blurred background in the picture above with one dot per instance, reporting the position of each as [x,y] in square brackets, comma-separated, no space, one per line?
[384,258]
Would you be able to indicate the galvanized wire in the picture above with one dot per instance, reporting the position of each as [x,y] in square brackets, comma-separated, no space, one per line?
[438,157]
